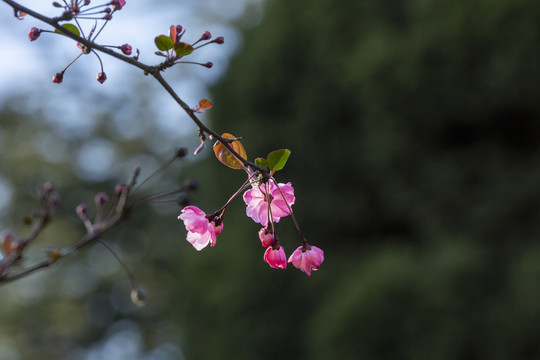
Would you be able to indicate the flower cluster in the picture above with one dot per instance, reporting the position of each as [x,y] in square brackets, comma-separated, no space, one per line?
[173,49]
[266,203]
[202,229]
[80,10]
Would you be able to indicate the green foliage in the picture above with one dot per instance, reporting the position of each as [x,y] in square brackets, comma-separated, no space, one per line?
[164,42]
[182,49]
[276,160]
[69,27]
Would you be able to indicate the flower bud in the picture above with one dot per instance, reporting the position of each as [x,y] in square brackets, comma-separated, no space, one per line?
[191,184]
[219,40]
[208,64]
[58,77]
[82,211]
[267,236]
[101,77]
[139,296]
[206,36]
[107,17]
[120,189]
[181,152]
[183,200]
[126,49]
[34,33]
[101,199]
[117,4]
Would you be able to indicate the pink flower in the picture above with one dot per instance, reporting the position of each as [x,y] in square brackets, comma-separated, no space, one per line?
[307,260]
[276,258]
[267,236]
[257,205]
[202,230]
[34,33]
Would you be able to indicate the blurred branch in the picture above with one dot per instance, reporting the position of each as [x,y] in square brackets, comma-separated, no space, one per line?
[119,208]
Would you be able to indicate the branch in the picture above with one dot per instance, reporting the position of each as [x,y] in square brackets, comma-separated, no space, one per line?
[148,69]
[118,210]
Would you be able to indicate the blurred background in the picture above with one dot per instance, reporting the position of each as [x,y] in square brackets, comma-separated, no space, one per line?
[414,128]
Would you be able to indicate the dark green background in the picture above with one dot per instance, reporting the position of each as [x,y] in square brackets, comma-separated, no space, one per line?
[414,129]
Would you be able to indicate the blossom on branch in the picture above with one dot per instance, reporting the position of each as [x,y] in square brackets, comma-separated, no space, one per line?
[202,229]
[267,236]
[34,33]
[257,201]
[307,258]
[276,258]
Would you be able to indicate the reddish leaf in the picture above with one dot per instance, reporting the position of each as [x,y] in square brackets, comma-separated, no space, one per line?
[205,104]
[226,157]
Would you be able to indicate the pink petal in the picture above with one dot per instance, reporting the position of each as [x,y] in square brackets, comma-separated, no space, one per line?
[199,241]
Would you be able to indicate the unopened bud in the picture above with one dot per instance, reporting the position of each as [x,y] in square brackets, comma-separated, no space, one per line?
[101,77]
[206,35]
[126,49]
[34,33]
[120,189]
[183,200]
[208,64]
[54,200]
[181,152]
[191,184]
[101,199]
[219,40]
[139,296]
[107,17]
[58,77]
[82,211]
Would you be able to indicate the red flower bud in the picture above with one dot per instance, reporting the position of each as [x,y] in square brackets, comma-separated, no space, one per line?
[58,77]
[34,33]
[208,64]
[101,77]
[126,49]
[219,40]
[206,35]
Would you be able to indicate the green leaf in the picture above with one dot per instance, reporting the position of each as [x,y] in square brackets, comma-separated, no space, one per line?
[69,27]
[261,162]
[277,159]
[163,43]
[182,49]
